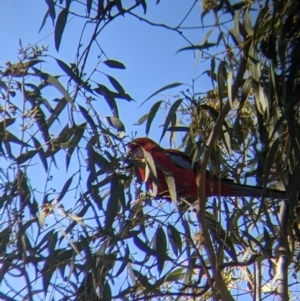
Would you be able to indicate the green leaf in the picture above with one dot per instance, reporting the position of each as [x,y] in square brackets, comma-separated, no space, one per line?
[169,177]
[54,82]
[64,189]
[221,77]
[118,4]
[26,156]
[261,100]
[110,99]
[260,18]
[51,9]
[69,71]
[198,47]
[170,116]
[236,27]
[4,124]
[270,159]
[60,26]
[171,86]
[247,22]
[114,64]
[143,246]
[151,165]
[175,275]
[47,272]
[151,115]
[102,163]
[142,119]
[178,129]
[160,245]
[229,86]
[106,292]
[73,142]
[247,87]
[112,203]
[4,239]
[174,239]
[40,150]
[226,140]
[89,6]
[56,113]
[44,20]
[115,123]
[11,138]
[273,82]
[207,35]
[190,269]
[88,118]
[41,219]
[41,122]
[144,5]
[116,84]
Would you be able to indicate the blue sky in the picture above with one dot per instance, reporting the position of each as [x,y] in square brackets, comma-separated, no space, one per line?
[149,53]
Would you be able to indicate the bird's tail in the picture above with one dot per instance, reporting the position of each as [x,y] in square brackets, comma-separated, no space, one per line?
[239,190]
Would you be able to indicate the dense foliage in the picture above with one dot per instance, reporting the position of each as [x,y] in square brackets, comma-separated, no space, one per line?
[100,235]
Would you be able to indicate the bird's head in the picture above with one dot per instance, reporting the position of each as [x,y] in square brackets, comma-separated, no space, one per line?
[137,146]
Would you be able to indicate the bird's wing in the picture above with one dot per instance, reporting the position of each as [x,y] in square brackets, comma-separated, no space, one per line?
[179,158]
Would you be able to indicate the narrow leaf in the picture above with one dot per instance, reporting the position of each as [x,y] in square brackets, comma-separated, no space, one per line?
[69,71]
[88,6]
[44,20]
[51,9]
[106,292]
[26,156]
[236,27]
[174,239]
[270,160]
[160,245]
[247,87]
[229,86]
[178,129]
[88,118]
[151,115]
[198,47]
[112,204]
[221,77]
[170,116]
[115,123]
[40,150]
[247,22]
[142,119]
[4,124]
[144,5]
[65,189]
[114,64]
[169,177]
[116,84]
[60,26]
[54,82]
[109,97]
[143,246]
[174,85]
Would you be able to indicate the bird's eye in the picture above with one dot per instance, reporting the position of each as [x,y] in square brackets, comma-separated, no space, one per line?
[136,153]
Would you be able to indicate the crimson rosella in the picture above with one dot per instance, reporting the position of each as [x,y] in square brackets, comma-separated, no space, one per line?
[180,166]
